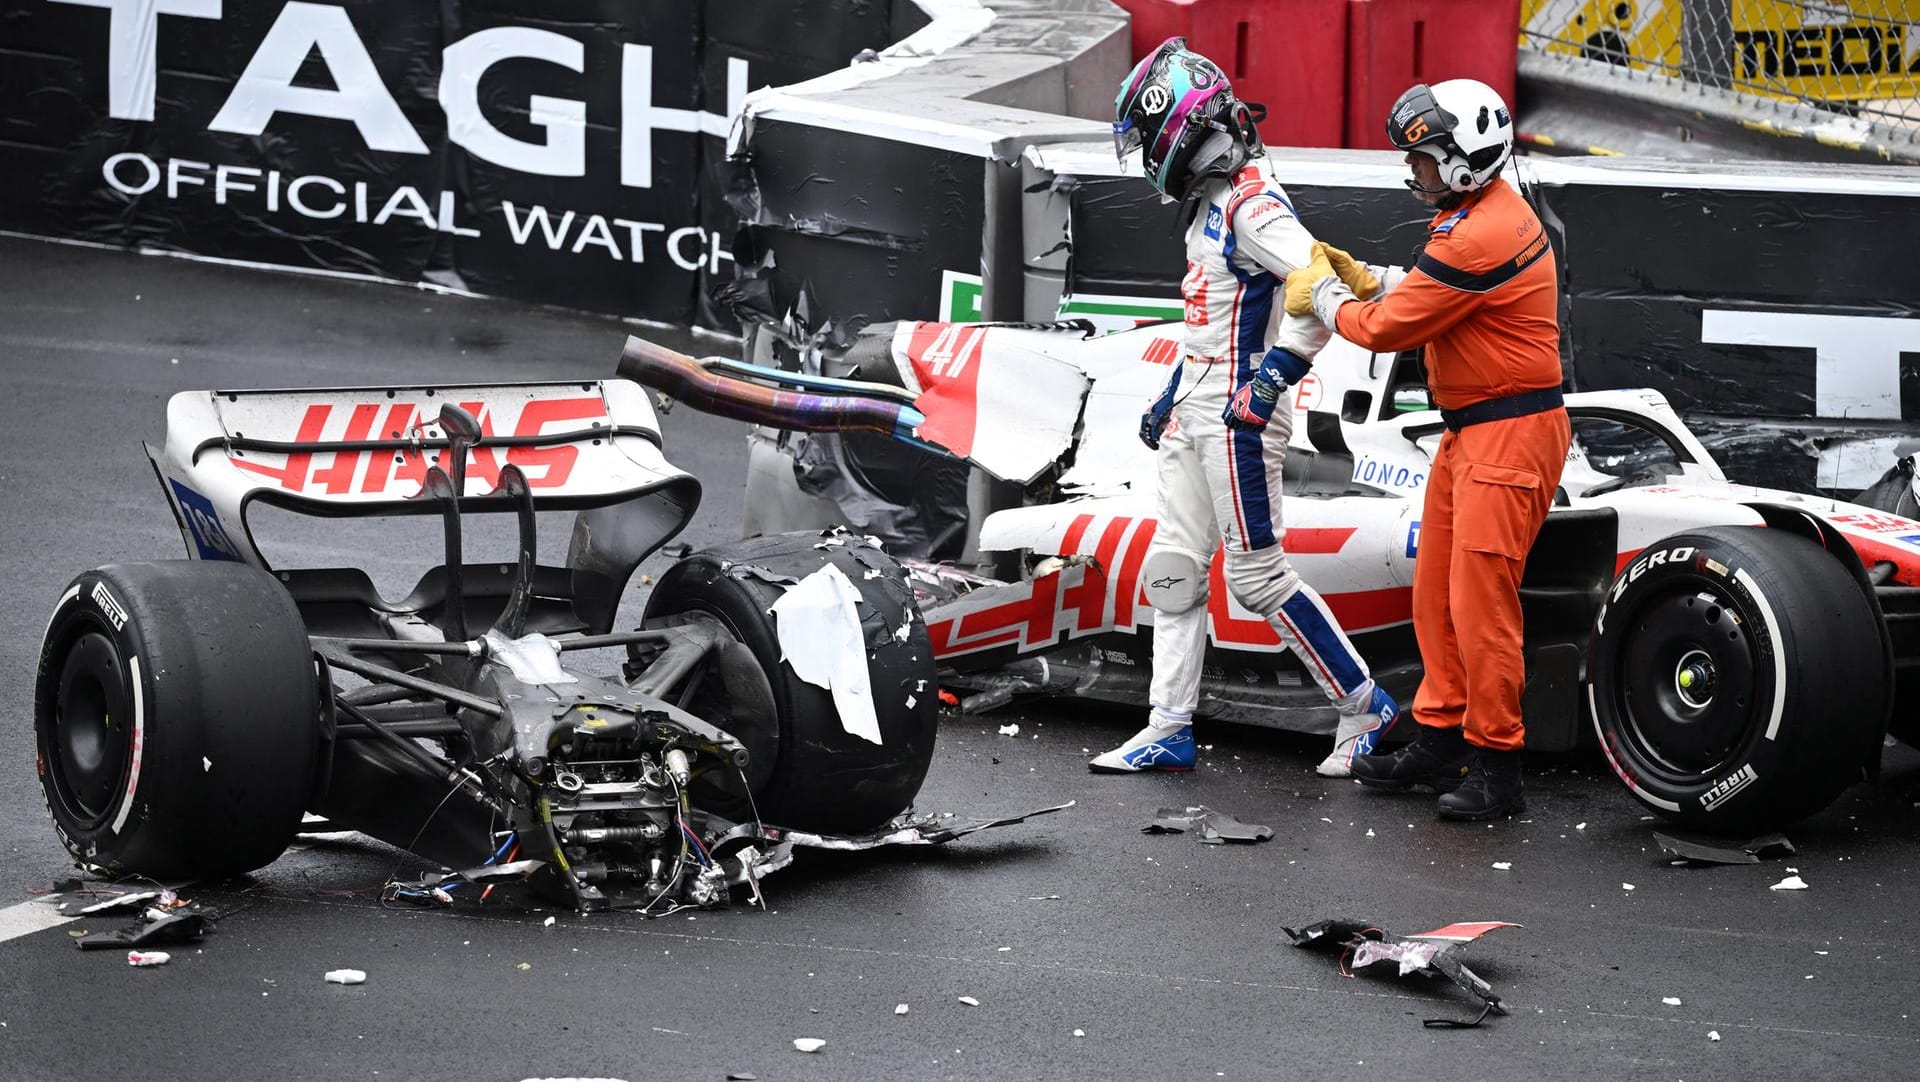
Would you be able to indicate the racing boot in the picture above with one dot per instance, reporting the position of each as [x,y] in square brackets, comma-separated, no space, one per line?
[1492,789]
[1152,748]
[1435,759]
[1359,731]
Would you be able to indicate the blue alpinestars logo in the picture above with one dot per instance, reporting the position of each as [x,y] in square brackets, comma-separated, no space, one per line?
[1383,707]
[1175,750]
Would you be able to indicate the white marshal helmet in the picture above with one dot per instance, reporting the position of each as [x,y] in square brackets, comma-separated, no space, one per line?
[1462,123]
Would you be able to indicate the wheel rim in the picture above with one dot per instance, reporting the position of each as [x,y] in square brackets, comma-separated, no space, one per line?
[1688,684]
[92,739]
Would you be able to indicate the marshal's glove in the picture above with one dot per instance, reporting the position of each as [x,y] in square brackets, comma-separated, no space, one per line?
[1252,405]
[1359,278]
[1154,421]
[1301,280]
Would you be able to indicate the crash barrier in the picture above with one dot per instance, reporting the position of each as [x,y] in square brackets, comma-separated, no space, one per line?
[1329,69]
[1265,61]
[494,147]
[1770,303]
[1392,44]
[1833,75]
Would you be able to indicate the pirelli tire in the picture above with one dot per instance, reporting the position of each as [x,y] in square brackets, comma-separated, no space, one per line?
[176,727]
[1735,674]
[806,770]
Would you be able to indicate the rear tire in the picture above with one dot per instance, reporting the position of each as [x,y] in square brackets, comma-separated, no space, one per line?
[807,772]
[175,719]
[1736,673]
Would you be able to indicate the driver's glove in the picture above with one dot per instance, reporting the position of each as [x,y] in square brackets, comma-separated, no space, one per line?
[1252,405]
[1154,421]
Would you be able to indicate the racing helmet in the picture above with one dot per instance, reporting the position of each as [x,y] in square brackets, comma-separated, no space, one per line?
[1462,124]
[1178,109]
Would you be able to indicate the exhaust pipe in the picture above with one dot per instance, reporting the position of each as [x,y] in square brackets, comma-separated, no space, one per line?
[686,380]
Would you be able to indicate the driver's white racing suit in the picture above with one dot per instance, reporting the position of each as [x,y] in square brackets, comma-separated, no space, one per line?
[1220,484]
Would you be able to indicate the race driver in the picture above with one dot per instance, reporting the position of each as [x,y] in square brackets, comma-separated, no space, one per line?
[1221,426]
[1483,300]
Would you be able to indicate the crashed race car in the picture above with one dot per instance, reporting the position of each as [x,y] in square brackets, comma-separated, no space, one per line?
[1736,678]
[188,713]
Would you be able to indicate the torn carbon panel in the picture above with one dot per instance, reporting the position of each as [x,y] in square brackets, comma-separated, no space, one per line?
[780,44]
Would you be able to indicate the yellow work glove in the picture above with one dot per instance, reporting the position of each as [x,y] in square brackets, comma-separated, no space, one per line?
[1301,280]
[1364,283]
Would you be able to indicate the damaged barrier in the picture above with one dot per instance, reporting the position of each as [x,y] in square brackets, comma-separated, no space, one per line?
[1767,302]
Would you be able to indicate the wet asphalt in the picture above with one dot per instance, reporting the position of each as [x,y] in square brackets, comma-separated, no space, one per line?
[1166,954]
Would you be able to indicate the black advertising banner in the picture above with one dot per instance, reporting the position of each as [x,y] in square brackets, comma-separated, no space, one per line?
[494,145]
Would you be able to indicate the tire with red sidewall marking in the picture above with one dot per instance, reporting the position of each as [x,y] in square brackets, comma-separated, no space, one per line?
[176,726]
[1735,674]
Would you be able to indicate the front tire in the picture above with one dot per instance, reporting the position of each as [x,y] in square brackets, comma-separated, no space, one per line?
[1735,674]
[175,720]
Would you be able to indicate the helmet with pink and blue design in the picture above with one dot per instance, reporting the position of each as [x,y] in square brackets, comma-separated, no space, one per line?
[1177,108]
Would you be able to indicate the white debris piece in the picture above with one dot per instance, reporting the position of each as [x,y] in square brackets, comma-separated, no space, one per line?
[548,923]
[1012,728]
[901,1009]
[970,1001]
[1713,1035]
[143,959]
[1370,832]
[346,976]
[820,636]
[910,701]
[1079,1033]
[1626,886]
[1503,865]
[1671,1001]
[808,1044]
[1792,882]
[1579,826]
[206,764]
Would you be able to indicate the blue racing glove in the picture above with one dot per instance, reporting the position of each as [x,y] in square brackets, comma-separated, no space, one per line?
[1252,405]
[1154,421]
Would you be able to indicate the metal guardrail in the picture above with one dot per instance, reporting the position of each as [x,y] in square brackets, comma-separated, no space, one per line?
[1857,59]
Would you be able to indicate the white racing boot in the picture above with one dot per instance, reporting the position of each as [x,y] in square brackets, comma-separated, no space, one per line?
[1152,748]
[1358,733]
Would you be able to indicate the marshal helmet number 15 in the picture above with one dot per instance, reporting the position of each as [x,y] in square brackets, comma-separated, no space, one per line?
[1462,124]
[1177,108]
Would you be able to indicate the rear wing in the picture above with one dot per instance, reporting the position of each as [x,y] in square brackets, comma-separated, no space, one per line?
[366,450]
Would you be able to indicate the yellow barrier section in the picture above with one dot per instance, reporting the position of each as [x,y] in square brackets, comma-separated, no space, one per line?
[1863,51]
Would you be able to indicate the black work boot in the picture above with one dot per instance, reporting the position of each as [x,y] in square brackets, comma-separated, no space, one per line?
[1435,759]
[1492,789]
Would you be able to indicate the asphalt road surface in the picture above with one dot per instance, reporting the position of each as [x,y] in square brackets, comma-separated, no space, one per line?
[1093,950]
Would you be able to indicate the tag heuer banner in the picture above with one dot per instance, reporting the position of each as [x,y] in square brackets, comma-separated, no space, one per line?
[502,146]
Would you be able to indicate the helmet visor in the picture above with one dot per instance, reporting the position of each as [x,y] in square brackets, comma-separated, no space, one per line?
[1418,120]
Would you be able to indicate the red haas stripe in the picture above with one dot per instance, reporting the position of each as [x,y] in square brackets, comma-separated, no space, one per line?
[1100,595]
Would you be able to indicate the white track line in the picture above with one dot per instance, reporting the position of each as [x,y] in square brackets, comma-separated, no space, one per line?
[29,917]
